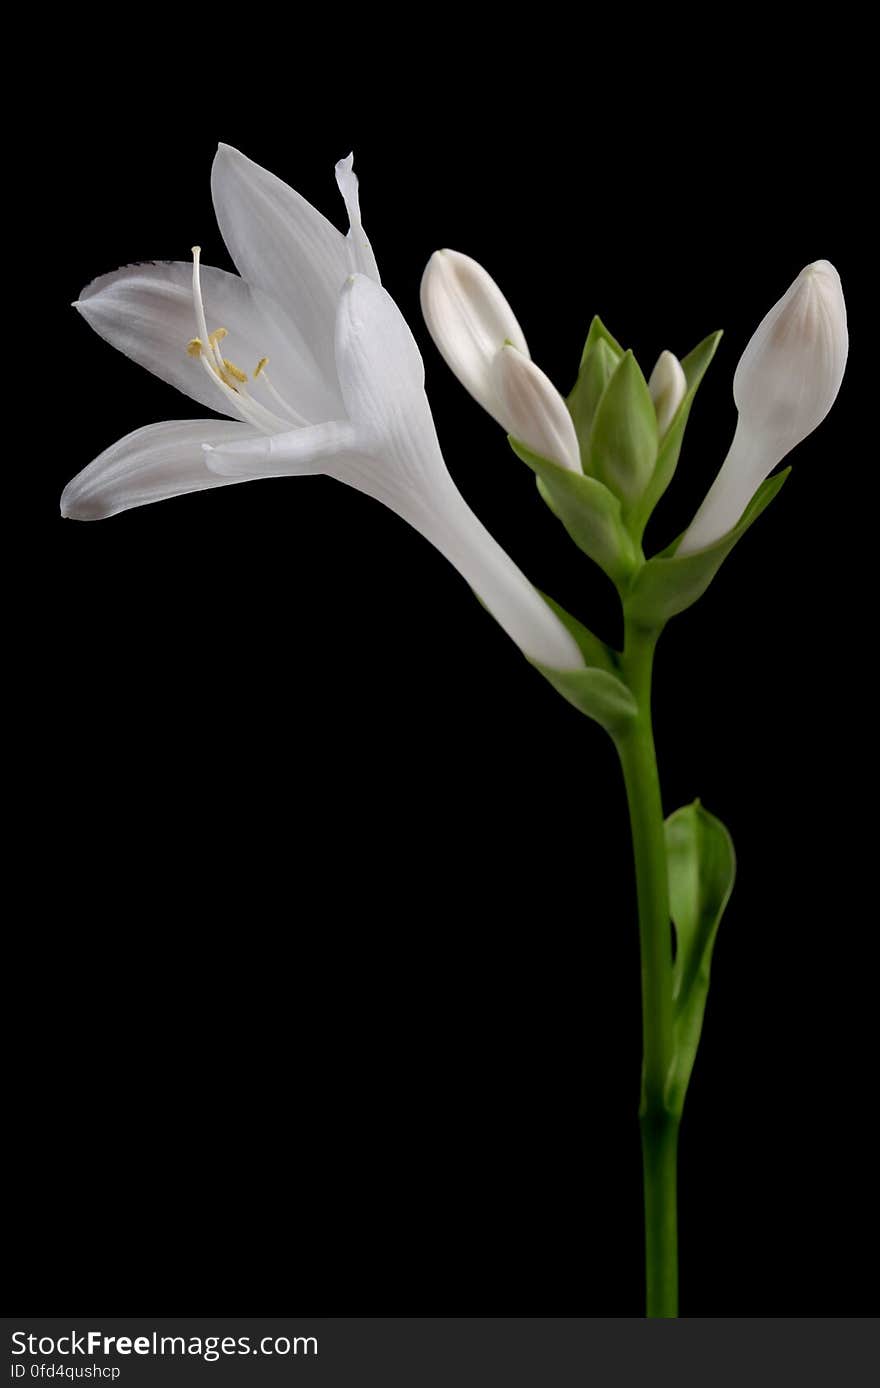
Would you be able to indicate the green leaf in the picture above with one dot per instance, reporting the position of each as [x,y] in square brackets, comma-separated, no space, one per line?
[596,693]
[702,867]
[600,357]
[694,366]
[589,512]
[623,438]
[666,585]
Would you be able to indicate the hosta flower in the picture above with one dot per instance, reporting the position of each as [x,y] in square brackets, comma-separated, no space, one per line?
[318,371]
[785,384]
[478,336]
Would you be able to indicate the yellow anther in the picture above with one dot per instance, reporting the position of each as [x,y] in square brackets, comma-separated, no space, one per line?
[217,336]
[261,364]
[194,346]
[235,371]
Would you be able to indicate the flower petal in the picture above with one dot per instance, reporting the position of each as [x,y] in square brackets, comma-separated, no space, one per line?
[360,252]
[155,462]
[281,244]
[317,449]
[147,312]
[382,379]
[470,320]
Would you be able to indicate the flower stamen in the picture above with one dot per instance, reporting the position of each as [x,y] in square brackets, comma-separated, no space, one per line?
[235,371]
[229,377]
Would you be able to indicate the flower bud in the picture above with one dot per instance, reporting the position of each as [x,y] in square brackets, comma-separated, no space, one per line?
[469,319]
[785,384]
[668,387]
[532,409]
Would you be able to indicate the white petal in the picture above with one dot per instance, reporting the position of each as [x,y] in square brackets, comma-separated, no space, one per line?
[298,453]
[158,461]
[382,376]
[534,411]
[785,384]
[668,387]
[147,312]
[470,320]
[360,253]
[281,244]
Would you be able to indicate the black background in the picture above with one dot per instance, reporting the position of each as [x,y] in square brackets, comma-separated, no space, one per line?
[327,973]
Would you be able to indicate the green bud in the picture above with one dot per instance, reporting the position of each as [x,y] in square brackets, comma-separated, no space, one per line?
[624,436]
[600,357]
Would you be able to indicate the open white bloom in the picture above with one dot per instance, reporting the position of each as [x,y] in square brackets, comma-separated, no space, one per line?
[785,384]
[668,387]
[322,375]
[480,340]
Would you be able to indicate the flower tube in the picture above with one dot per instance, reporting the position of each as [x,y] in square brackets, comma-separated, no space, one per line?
[785,384]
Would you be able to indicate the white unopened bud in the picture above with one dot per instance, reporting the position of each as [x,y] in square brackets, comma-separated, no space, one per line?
[533,410]
[785,384]
[668,387]
[469,319]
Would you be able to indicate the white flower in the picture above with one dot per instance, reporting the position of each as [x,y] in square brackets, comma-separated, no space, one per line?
[479,338]
[668,387]
[785,384]
[346,394]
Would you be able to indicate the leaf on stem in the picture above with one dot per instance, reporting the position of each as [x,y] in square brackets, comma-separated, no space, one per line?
[702,867]
[667,585]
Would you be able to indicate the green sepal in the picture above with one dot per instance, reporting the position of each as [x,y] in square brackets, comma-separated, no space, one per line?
[589,512]
[666,584]
[600,357]
[694,366]
[623,437]
[702,867]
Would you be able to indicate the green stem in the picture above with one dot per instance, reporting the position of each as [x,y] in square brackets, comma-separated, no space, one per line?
[659,1124]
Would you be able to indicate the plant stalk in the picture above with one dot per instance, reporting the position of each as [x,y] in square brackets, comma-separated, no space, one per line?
[658,1122]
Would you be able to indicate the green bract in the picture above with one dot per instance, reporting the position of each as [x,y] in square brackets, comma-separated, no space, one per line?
[589,511]
[600,358]
[666,585]
[702,866]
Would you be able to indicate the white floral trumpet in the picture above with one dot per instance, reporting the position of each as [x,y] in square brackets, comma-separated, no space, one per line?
[336,385]
[785,384]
